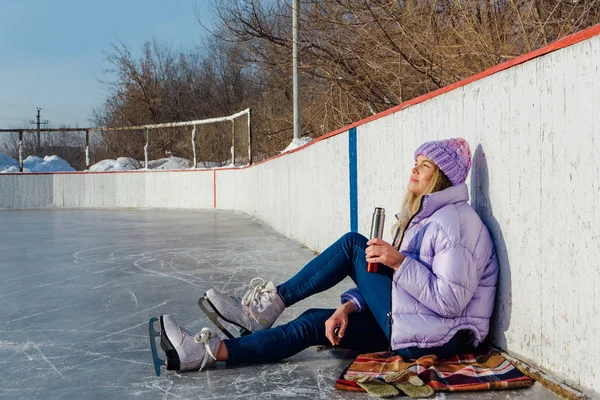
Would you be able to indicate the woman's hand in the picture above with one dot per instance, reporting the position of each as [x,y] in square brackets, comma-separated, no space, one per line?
[380,251]
[338,319]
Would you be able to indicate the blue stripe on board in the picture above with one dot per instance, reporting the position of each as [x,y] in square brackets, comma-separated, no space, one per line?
[352,155]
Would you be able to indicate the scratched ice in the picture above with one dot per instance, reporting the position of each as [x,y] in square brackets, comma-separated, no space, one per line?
[78,288]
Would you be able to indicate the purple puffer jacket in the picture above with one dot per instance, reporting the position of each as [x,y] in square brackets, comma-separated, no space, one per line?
[448,280]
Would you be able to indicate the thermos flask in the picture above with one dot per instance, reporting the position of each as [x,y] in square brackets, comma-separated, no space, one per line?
[376,231]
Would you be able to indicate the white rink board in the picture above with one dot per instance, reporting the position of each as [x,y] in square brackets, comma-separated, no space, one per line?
[25,191]
[303,195]
[176,189]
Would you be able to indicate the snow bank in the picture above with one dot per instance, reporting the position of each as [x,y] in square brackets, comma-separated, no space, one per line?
[120,164]
[128,164]
[208,164]
[57,164]
[46,164]
[169,163]
[8,164]
[297,143]
[35,164]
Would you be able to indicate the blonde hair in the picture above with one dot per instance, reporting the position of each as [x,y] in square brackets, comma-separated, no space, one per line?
[412,203]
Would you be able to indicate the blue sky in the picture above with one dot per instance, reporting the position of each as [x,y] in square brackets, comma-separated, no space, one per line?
[52,52]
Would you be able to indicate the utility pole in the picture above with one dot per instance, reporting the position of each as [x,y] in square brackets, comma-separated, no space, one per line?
[296,74]
[38,123]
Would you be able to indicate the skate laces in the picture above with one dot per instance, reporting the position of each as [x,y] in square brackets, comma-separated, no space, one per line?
[252,297]
[203,337]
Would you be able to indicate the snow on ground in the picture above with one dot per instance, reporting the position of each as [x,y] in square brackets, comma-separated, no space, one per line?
[170,163]
[297,143]
[120,164]
[57,164]
[10,170]
[35,164]
[128,164]
[8,164]
[208,164]
[46,164]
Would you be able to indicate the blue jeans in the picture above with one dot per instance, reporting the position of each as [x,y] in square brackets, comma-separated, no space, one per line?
[368,331]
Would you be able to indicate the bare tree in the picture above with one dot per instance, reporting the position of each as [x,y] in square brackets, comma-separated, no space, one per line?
[358,57]
[361,57]
[165,86]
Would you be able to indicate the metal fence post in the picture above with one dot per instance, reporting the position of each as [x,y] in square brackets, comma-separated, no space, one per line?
[295,72]
[249,136]
[233,141]
[87,149]
[146,151]
[20,151]
[194,145]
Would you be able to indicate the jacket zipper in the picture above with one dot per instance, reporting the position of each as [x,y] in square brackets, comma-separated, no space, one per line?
[389,316]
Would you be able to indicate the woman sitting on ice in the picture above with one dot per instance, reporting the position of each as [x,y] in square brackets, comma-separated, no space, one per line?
[434,293]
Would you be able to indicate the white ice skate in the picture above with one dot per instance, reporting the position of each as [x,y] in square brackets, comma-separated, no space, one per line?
[257,310]
[183,351]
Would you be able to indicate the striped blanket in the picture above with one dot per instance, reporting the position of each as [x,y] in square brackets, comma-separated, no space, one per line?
[461,373]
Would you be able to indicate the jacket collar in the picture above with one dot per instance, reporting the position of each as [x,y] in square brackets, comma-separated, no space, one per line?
[430,203]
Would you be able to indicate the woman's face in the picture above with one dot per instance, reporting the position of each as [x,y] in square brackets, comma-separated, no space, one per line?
[421,174]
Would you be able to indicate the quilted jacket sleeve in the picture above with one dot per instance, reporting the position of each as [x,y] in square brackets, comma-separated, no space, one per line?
[356,298]
[448,287]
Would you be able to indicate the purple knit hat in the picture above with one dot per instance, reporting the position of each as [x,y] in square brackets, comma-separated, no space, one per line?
[452,156]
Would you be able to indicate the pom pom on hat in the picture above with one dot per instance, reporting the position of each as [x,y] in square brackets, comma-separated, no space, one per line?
[452,156]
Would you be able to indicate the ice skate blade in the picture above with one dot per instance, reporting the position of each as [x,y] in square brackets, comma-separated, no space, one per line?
[153,333]
[214,316]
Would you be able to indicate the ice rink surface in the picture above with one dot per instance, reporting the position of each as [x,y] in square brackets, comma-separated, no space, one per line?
[79,286]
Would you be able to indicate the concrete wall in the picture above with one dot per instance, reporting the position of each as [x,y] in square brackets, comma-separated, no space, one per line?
[159,189]
[304,195]
[535,182]
[25,191]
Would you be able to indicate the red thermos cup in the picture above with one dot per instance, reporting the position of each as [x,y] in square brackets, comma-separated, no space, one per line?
[376,231]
